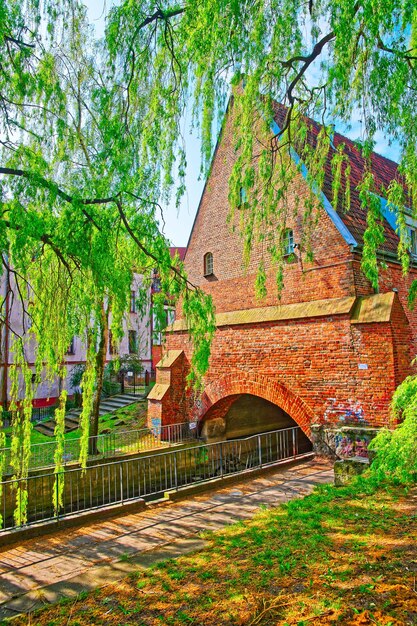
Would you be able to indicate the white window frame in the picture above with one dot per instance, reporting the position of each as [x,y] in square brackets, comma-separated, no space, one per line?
[170,316]
[288,242]
[412,235]
[208,264]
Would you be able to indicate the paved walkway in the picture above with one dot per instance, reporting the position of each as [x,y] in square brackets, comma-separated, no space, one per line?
[64,563]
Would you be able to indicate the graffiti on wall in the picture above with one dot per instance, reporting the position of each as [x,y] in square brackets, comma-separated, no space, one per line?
[350,412]
[348,445]
[343,443]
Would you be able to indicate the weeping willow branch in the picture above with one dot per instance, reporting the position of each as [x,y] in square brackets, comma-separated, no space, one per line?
[47,239]
[140,245]
[19,42]
[36,179]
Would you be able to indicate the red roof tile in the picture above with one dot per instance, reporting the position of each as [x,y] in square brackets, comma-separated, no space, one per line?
[181,252]
[383,169]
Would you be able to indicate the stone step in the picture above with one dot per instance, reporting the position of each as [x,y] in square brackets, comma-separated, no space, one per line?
[109,409]
[128,395]
[116,402]
[69,427]
[72,421]
[135,397]
[113,406]
[46,428]
[72,417]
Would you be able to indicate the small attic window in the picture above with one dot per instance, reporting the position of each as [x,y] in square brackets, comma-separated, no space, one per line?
[288,242]
[208,264]
[243,197]
[412,234]
[411,224]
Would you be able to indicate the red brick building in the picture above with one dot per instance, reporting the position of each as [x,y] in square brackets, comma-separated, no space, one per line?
[330,351]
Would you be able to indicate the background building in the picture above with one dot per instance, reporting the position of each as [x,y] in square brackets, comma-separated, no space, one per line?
[139,339]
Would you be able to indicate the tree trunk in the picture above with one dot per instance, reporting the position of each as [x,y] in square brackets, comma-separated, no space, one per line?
[4,334]
[100,365]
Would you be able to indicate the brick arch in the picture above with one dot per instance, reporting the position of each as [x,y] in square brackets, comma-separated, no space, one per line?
[224,391]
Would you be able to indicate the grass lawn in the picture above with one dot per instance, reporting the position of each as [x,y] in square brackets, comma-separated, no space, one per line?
[131,417]
[338,556]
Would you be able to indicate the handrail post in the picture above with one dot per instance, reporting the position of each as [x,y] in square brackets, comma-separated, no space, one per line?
[294,446]
[121,482]
[259,450]
[57,495]
[221,459]
[175,471]
[20,502]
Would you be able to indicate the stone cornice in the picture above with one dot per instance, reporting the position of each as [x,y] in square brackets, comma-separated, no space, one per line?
[362,310]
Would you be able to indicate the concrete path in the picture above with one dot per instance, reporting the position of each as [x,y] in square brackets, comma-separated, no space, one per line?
[64,563]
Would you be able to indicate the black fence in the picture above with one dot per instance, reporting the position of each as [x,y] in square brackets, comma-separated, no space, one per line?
[39,414]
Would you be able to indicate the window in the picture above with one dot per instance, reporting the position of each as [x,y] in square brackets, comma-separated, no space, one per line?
[412,234]
[156,330]
[170,316]
[133,301]
[71,347]
[288,242]
[158,326]
[133,342]
[208,264]
[243,197]
[156,282]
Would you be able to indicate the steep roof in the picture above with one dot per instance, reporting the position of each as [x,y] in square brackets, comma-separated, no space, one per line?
[383,169]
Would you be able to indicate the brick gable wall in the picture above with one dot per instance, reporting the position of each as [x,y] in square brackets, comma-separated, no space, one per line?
[327,369]
[232,286]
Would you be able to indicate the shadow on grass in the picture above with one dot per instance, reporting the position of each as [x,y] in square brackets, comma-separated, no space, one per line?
[344,556]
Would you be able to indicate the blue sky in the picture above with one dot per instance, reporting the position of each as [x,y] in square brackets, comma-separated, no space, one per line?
[178,222]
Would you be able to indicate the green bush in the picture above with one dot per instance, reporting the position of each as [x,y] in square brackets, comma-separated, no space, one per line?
[396,451]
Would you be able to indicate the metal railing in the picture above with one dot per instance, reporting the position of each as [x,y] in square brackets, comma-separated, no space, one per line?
[108,445]
[137,384]
[147,476]
[39,414]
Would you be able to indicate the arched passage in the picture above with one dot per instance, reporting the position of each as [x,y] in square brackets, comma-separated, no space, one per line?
[245,415]
[220,396]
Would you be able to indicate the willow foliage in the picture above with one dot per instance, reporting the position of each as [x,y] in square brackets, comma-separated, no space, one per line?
[91,143]
[396,457]
[325,59]
[85,159]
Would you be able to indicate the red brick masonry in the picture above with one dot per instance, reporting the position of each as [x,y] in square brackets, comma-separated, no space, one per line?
[320,369]
[330,350]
